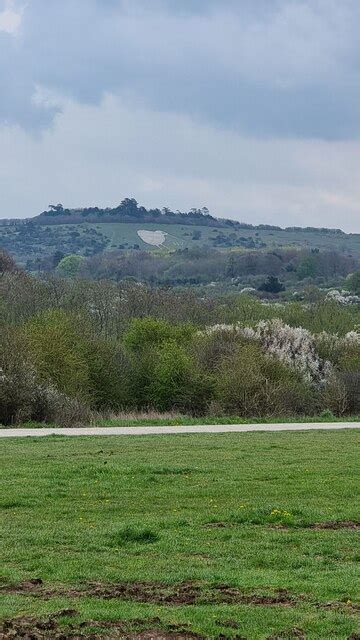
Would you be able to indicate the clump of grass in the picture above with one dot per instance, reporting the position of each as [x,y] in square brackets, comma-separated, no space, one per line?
[148,417]
[135,535]
[267,516]
[327,415]
[12,504]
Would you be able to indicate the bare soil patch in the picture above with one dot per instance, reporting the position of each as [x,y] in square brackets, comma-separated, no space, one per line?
[352,606]
[181,594]
[185,593]
[232,595]
[340,524]
[50,628]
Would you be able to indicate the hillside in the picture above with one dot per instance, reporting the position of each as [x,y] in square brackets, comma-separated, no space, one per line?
[130,227]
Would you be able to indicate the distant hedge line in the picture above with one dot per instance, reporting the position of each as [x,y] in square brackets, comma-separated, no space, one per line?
[72,348]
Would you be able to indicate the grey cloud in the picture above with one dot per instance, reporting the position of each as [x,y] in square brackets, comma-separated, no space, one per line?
[100,154]
[17,90]
[264,68]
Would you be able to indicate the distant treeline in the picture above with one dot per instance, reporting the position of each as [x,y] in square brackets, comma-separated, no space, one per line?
[71,349]
[130,211]
[201,266]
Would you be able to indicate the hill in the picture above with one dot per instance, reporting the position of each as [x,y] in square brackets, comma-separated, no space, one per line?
[130,227]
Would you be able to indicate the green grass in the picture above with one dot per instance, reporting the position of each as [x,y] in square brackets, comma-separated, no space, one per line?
[204,420]
[141,509]
[179,236]
[132,420]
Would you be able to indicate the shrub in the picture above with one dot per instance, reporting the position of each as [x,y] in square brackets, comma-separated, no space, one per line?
[70,266]
[145,332]
[250,383]
[177,383]
[335,397]
[54,340]
[17,381]
[210,348]
[351,382]
[271,285]
[24,398]
[294,346]
[110,370]
[353,282]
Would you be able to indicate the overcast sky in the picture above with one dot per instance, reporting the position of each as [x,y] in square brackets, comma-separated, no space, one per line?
[248,107]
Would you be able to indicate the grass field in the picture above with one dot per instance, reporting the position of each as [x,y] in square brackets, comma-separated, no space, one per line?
[157,419]
[181,236]
[211,534]
[114,235]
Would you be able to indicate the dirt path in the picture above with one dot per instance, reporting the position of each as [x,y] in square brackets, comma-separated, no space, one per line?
[141,431]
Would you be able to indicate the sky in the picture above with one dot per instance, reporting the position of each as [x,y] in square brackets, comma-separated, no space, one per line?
[248,107]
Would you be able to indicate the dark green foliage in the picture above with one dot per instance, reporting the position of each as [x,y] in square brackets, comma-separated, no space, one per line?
[272,285]
[353,282]
[146,332]
[70,266]
[68,347]
[132,535]
[7,264]
[55,341]
[306,268]
[177,382]
[250,383]
[17,385]
[109,373]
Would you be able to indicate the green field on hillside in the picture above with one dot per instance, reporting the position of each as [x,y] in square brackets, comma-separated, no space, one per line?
[181,236]
[29,242]
[223,536]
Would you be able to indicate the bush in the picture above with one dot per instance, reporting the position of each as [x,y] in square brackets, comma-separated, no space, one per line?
[351,383]
[70,266]
[353,282]
[52,406]
[17,381]
[145,332]
[177,383]
[24,398]
[69,347]
[110,371]
[250,383]
[54,340]
[211,348]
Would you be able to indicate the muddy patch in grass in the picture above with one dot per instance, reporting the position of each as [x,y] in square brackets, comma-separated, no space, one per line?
[335,605]
[185,593]
[328,525]
[157,593]
[336,524]
[232,595]
[284,525]
[33,585]
[50,628]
